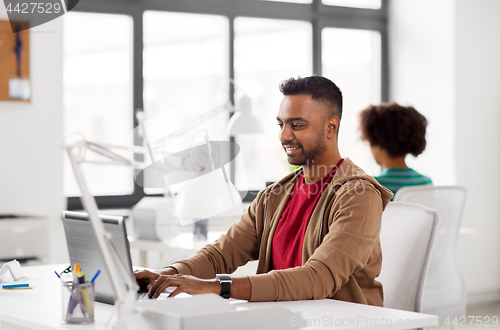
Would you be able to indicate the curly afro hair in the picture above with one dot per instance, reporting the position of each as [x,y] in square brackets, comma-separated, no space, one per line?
[398,130]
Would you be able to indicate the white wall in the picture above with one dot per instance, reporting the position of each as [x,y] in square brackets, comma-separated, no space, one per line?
[31,138]
[478,138]
[444,60]
[421,62]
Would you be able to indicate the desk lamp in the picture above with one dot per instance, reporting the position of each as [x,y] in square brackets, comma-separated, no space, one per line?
[77,148]
[191,202]
[125,288]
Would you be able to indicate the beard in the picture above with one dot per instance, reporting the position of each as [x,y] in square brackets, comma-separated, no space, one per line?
[307,157]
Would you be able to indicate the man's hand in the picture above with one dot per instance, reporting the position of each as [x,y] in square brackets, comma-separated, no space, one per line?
[183,283]
[146,278]
[158,281]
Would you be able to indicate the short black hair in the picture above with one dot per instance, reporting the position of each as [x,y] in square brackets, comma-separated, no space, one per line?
[320,89]
[398,130]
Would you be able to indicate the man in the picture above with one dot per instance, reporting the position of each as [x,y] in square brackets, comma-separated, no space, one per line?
[315,232]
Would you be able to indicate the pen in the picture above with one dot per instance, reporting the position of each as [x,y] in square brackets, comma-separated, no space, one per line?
[19,288]
[15,285]
[85,294]
[95,276]
[77,268]
[65,284]
[72,301]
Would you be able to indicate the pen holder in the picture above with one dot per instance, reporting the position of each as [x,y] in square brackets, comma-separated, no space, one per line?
[78,303]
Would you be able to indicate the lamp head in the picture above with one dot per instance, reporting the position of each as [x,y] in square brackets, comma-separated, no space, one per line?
[243,121]
[245,105]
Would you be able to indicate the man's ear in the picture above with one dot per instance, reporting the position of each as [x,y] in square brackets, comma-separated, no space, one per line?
[332,126]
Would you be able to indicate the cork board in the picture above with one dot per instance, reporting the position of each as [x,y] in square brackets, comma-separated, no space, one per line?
[8,60]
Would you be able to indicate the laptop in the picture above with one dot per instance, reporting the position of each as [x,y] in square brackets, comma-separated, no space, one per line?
[83,249]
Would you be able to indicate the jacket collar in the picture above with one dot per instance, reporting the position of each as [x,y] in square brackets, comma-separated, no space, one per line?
[347,171]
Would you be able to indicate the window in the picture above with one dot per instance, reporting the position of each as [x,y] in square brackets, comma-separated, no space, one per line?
[294,1]
[369,4]
[185,77]
[187,56]
[351,59]
[98,93]
[267,52]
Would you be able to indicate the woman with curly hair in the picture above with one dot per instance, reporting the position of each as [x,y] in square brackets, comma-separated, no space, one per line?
[394,131]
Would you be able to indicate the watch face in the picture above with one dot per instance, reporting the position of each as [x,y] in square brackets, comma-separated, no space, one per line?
[223,277]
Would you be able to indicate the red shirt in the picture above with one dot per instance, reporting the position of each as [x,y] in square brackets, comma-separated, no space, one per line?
[289,235]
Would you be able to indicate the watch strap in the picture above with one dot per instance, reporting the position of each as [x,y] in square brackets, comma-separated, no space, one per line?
[225,281]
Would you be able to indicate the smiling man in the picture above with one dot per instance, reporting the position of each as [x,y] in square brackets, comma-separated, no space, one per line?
[315,233]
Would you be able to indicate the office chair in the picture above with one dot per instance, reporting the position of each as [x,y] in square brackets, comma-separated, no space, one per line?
[407,237]
[445,289]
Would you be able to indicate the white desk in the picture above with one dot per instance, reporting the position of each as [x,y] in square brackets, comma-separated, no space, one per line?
[40,309]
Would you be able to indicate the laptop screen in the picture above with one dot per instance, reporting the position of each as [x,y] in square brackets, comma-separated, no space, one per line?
[83,249]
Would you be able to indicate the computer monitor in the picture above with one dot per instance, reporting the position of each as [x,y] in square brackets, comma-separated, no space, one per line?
[83,249]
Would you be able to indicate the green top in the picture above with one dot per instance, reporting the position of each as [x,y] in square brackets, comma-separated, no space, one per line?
[395,178]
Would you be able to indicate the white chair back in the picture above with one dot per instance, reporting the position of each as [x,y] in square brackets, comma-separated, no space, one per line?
[445,290]
[406,237]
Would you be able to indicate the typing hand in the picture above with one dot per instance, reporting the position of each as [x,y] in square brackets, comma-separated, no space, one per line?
[146,278]
[183,283]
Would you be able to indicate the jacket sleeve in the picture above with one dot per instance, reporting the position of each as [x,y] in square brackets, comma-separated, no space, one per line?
[352,236]
[239,245]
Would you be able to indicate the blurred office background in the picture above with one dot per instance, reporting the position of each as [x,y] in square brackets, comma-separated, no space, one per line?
[92,68]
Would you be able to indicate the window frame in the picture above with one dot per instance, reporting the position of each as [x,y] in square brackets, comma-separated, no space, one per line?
[319,15]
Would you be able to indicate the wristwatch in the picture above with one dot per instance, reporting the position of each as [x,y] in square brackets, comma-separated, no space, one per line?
[225,281]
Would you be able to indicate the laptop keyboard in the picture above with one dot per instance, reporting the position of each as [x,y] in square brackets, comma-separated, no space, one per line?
[143,295]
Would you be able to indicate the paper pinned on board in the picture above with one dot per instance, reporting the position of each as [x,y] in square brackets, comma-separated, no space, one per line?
[19,89]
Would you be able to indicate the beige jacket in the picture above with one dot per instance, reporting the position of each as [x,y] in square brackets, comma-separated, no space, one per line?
[341,253]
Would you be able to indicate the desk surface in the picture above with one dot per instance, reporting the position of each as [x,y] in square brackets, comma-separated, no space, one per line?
[40,309]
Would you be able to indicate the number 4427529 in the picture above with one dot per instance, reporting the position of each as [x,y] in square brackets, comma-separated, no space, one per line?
[34,7]
[478,321]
